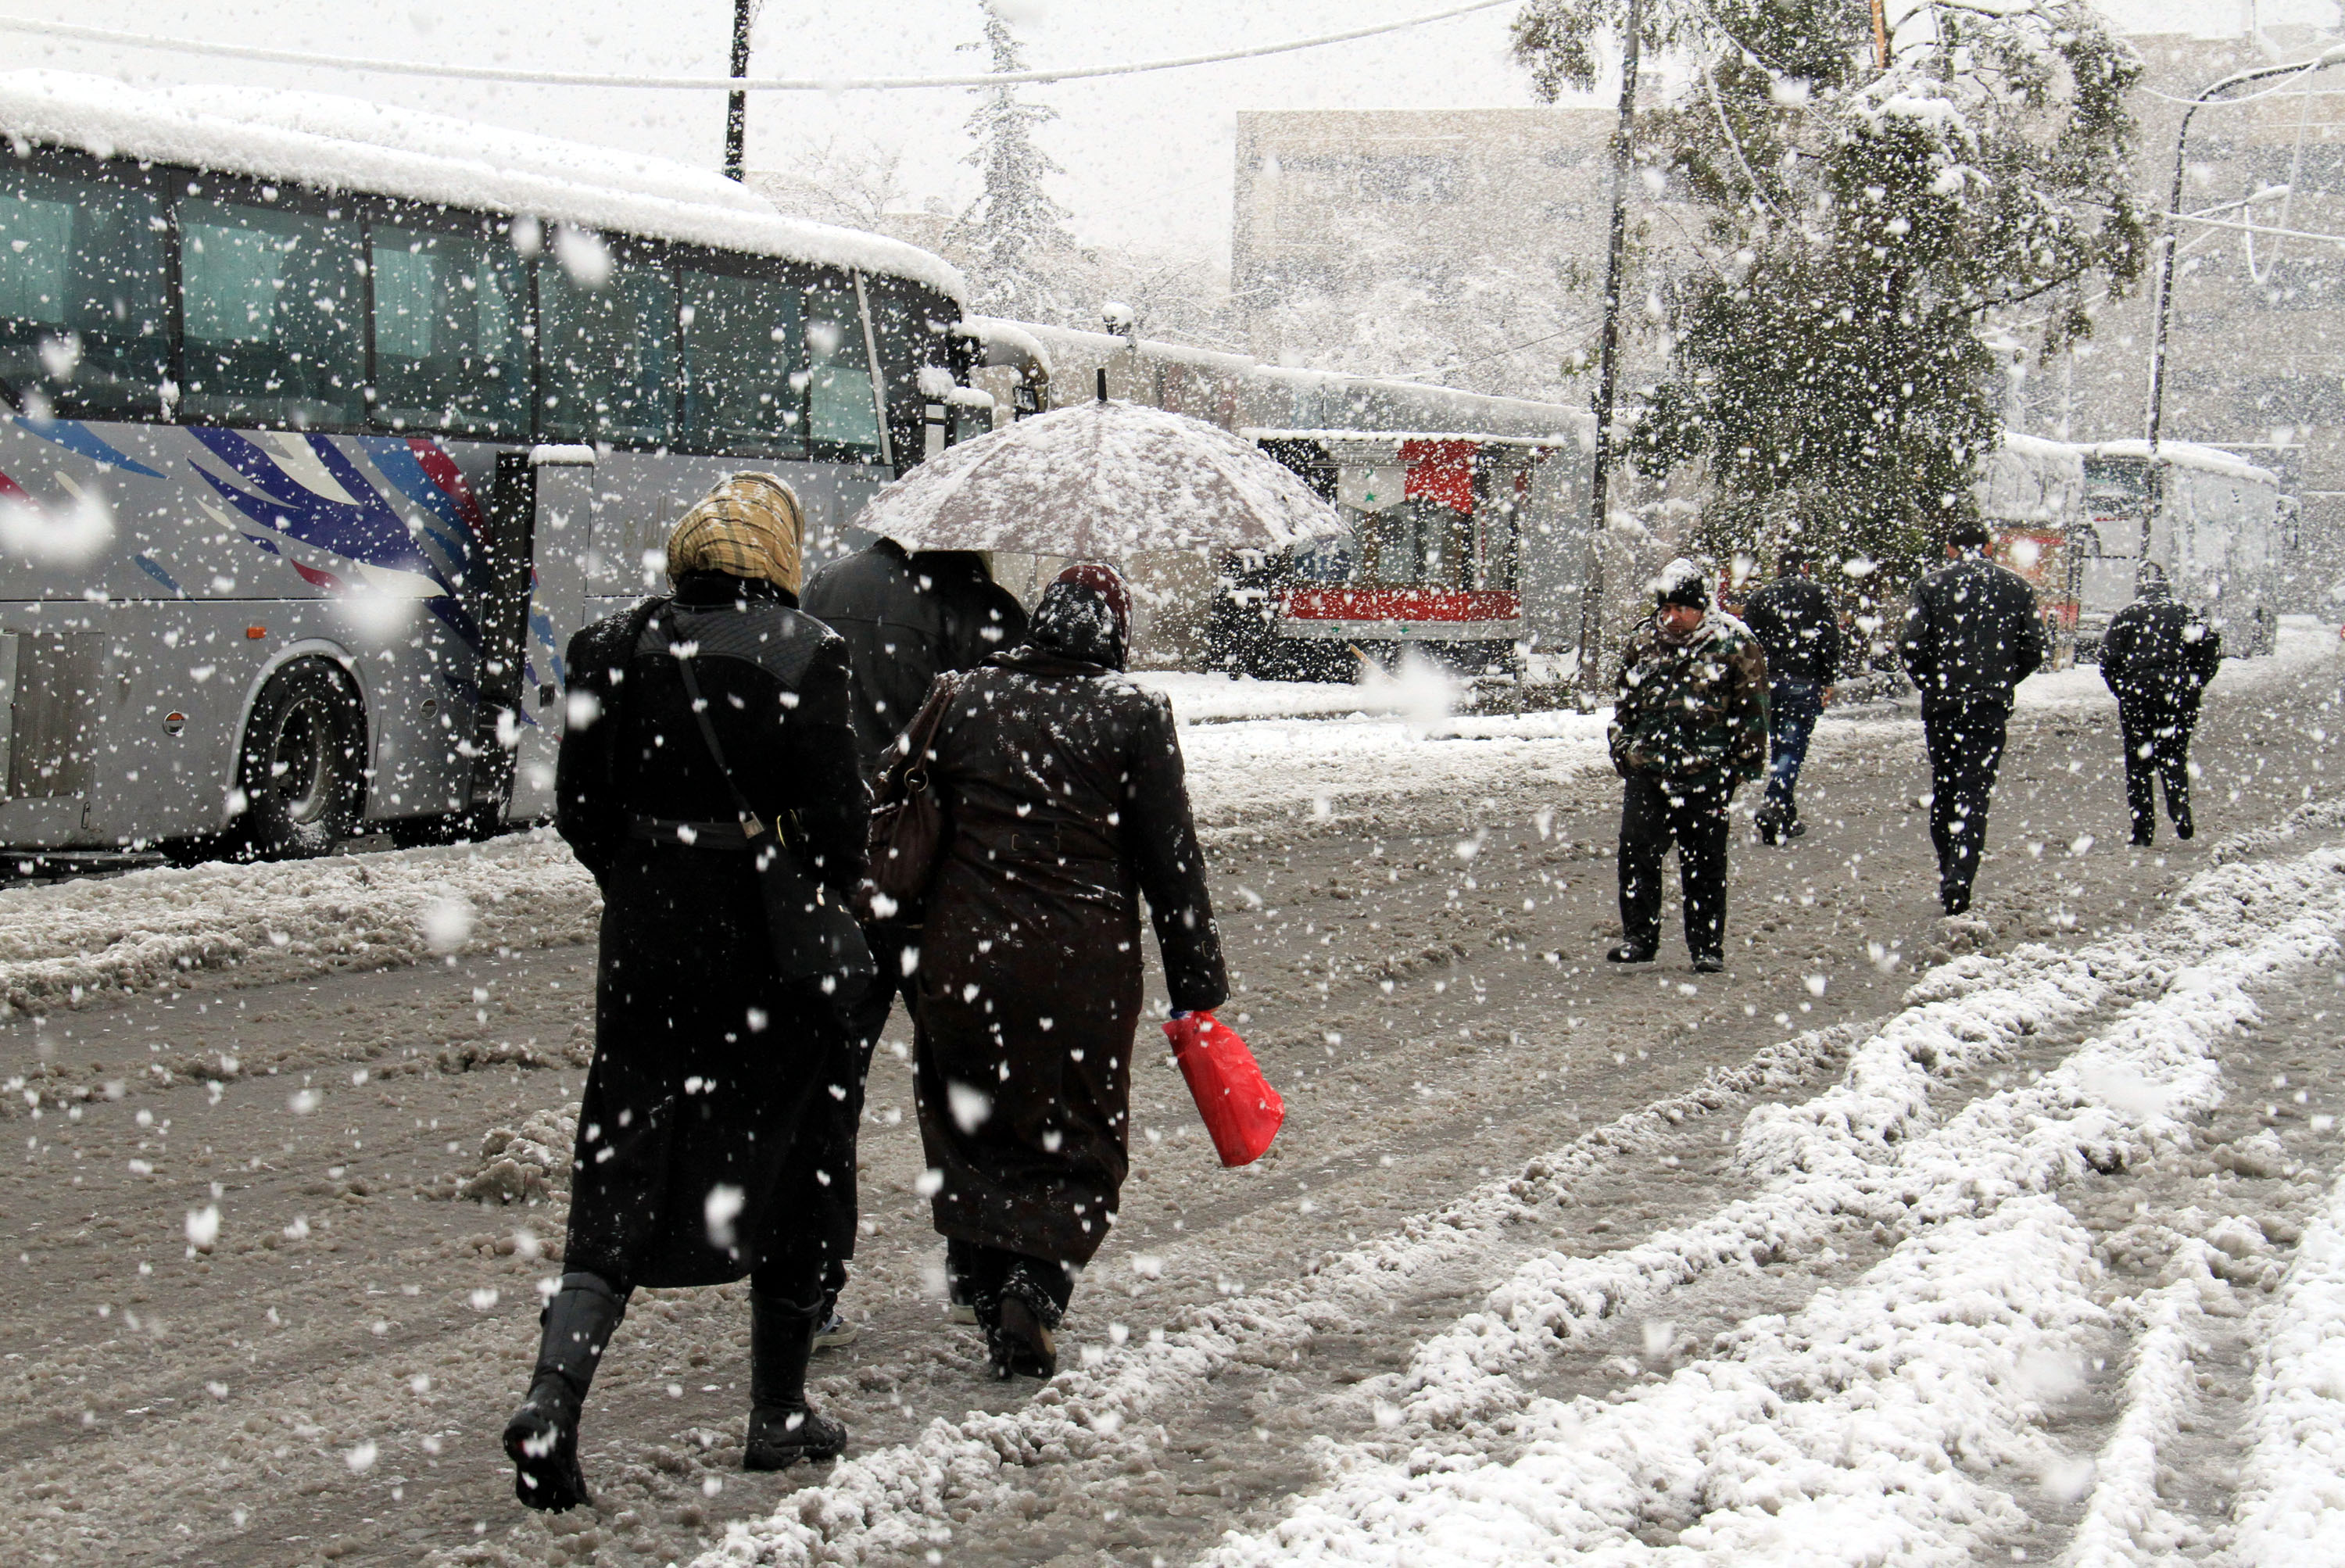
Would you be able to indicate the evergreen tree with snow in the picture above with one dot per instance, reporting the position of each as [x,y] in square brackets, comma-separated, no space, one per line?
[1875,204]
[1014,233]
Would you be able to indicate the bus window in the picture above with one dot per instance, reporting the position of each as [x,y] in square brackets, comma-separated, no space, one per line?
[83,311]
[451,333]
[742,342]
[607,356]
[840,413]
[270,307]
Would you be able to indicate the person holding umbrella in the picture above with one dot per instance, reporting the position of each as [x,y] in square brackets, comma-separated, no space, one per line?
[1065,804]
[907,617]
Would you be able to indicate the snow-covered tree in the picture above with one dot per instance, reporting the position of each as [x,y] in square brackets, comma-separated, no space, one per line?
[1016,232]
[1874,204]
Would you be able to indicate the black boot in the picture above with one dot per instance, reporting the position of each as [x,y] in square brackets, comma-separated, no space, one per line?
[542,1439]
[1018,1324]
[782,1429]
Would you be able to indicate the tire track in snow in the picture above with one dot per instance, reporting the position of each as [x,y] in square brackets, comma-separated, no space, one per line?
[1795,1432]
[2292,1506]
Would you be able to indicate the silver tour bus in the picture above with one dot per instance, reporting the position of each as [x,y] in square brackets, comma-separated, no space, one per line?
[327,423]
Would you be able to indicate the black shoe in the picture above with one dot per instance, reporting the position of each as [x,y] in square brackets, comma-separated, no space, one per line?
[2183,829]
[779,1437]
[2143,841]
[542,1437]
[782,1429]
[1628,953]
[1955,901]
[1798,830]
[1018,1341]
[1767,828]
[1709,963]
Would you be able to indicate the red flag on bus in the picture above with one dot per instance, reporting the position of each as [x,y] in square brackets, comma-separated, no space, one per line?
[1242,1111]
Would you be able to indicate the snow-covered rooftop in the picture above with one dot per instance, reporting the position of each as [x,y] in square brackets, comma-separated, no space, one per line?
[350,144]
[2188,454]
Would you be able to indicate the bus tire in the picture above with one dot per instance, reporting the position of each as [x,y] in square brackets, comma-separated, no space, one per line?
[302,769]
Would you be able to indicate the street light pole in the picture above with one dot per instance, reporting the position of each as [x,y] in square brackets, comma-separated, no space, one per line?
[2168,242]
[1624,149]
[737,104]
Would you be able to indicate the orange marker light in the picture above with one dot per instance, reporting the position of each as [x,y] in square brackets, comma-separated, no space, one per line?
[254,633]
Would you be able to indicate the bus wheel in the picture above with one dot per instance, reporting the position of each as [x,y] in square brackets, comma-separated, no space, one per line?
[303,766]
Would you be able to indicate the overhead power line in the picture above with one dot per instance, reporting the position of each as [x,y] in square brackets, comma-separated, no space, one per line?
[81,34]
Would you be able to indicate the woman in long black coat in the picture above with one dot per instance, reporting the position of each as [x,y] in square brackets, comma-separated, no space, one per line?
[704,1062]
[1065,804]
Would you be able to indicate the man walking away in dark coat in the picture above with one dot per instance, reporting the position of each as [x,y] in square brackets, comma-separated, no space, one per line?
[1794,622]
[906,617]
[1688,723]
[1971,636]
[689,1169]
[2157,658]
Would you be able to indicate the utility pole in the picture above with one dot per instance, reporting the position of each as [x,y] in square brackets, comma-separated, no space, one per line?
[737,103]
[1608,367]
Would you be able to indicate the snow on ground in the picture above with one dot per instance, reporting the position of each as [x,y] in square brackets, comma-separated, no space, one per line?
[1834,1426]
[60,943]
[1825,1438]
[2292,1489]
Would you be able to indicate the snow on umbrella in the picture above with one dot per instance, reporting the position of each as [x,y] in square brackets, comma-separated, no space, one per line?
[1100,481]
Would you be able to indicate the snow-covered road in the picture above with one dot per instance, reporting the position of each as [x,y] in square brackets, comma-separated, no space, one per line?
[1531,1218]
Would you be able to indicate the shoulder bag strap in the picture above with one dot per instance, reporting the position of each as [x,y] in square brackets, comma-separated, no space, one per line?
[751,824]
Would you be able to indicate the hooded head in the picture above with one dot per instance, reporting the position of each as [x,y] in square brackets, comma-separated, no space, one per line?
[1085,615]
[1682,582]
[2149,582]
[751,526]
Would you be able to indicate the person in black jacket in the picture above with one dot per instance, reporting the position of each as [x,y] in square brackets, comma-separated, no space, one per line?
[1795,624]
[2157,657]
[689,1168]
[906,617]
[1971,636]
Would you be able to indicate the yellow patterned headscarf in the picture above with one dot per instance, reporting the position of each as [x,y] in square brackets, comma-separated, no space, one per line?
[751,526]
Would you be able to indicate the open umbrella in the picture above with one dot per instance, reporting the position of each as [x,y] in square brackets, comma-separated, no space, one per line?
[1100,481]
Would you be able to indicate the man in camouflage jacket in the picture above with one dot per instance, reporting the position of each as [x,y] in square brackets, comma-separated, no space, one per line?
[1688,724]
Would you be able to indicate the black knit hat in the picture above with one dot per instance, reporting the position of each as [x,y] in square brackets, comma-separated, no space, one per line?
[1682,582]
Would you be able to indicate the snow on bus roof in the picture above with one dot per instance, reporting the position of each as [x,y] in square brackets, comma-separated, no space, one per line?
[339,143]
[2066,453]
[2188,454]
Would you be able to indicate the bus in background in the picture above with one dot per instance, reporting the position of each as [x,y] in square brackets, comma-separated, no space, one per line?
[2031,493]
[2215,523]
[329,422]
[1459,539]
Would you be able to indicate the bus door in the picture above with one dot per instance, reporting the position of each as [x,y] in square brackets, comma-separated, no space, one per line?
[563,496]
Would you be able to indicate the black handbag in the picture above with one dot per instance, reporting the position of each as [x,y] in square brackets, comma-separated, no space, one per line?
[816,937]
[907,813]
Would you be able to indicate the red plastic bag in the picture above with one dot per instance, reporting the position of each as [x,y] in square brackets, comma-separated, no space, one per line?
[1242,1111]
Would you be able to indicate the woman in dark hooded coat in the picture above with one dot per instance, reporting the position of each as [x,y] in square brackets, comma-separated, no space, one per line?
[691,1167]
[1066,804]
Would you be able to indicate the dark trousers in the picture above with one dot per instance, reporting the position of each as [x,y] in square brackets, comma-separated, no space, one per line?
[1656,813]
[1792,709]
[1965,741]
[835,1120]
[2157,748]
